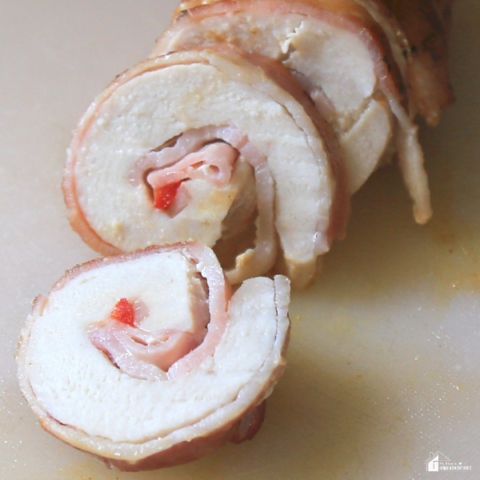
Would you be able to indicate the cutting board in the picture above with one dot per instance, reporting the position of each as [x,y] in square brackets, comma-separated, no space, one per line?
[385,350]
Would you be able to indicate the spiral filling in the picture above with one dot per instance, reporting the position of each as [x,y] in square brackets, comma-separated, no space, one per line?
[143,349]
[211,168]
[146,344]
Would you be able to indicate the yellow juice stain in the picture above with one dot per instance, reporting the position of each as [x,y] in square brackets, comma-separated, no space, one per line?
[386,253]
[87,470]
[93,469]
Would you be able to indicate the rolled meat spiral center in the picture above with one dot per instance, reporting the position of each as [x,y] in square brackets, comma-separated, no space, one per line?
[149,352]
[132,419]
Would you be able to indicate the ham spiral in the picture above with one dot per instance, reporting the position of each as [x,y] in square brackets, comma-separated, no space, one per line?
[146,361]
[216,146]
[369,66]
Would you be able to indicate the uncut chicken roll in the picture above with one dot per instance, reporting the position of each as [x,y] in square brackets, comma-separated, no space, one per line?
[214,146]
[146,361]
[369,66]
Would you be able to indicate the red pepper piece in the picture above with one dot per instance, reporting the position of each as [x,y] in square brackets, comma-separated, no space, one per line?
[165,196]
[124,312]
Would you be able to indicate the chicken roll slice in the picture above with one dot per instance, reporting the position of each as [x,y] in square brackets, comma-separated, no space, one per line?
[145,361]
[354,60]
[214,146]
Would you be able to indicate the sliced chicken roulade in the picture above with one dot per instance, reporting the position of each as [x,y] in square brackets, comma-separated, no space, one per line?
[215,146]
[355,58]
[145,361]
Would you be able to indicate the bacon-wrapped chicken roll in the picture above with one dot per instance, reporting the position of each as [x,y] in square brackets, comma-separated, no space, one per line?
[146,361]
[214,146]
[369,65]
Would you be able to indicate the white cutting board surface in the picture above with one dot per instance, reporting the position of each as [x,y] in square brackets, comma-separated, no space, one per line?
[385,354]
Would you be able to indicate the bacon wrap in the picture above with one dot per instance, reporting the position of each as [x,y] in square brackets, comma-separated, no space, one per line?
[407,41]
[230,170]
[95,400]
[424,24]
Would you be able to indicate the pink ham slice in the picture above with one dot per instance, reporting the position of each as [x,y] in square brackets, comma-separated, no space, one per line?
[193,156]
[170,353]
[186,392]
[213,163]
[142,354]
[150,354]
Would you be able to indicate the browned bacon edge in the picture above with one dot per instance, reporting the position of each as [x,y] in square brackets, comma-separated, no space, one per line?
[425,24]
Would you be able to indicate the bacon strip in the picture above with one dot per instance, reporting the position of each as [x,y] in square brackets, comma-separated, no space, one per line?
[425,25]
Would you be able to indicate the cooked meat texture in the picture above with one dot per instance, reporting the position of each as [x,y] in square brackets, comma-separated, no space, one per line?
[159,158]
[135,417]
[357,59]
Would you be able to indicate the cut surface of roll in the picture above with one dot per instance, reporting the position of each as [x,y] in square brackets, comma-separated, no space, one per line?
[146,360]
[205,145]
[357,59]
